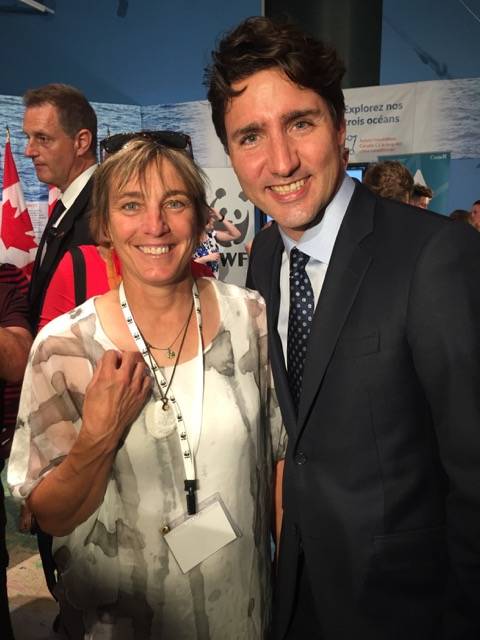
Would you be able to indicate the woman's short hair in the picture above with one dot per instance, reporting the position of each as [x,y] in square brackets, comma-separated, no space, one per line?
[132,162]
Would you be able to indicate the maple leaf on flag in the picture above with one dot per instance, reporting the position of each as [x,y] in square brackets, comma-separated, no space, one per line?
[15,228]
[17,239]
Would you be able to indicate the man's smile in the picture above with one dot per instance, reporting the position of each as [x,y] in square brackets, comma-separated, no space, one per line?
[292,187]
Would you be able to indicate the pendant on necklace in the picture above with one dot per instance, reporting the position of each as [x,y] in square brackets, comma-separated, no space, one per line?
[170,354]
[160,421]
[165,403]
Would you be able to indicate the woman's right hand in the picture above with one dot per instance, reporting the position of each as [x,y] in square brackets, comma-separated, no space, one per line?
[115,395]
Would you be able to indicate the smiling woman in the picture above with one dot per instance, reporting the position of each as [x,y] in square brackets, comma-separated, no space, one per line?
[147,419]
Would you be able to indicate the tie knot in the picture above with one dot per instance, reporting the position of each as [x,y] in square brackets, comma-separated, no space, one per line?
[57,210]
[298,260]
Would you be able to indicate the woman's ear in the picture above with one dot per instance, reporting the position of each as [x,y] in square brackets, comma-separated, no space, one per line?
[106,239]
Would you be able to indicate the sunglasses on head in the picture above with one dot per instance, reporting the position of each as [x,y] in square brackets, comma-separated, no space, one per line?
[170,139]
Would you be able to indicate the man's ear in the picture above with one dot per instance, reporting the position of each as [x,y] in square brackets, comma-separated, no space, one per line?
[83,140]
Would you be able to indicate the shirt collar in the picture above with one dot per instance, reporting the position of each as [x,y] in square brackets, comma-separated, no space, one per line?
[73,190]
[319,240]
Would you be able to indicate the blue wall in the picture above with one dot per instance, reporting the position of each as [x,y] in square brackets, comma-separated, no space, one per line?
[155,54]
[425,40]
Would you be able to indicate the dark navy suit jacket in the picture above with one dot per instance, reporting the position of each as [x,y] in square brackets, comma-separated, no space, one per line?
[382,473]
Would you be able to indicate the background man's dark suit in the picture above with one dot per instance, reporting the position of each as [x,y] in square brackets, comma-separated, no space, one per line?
[73,230]
[382,476]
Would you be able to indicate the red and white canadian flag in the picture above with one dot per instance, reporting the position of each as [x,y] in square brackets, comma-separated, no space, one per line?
[54,194]
[17,238]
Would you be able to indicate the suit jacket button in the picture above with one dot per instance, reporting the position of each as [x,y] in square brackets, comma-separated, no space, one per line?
[300,458]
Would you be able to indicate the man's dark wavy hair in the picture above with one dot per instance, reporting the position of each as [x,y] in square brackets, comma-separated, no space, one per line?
[260,43]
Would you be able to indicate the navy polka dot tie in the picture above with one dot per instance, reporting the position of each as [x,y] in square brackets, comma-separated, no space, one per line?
[302,306]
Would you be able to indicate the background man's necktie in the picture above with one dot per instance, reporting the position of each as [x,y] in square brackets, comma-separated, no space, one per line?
[302,306]
[52,231]
[58,209]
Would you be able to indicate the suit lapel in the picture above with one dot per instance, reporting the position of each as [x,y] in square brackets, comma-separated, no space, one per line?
[67,222]
[273,261]
[350,261]
[38,255]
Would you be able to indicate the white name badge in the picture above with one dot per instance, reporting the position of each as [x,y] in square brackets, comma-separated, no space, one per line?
[201,535]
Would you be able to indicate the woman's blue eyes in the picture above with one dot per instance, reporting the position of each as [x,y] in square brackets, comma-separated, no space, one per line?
[168,205]
[130,206]
[175,204]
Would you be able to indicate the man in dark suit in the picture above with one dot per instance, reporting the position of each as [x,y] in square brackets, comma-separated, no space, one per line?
[373,318]
[61,130]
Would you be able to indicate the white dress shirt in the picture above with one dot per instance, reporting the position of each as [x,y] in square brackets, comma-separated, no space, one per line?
[69,196]
[317,242]
[73,190]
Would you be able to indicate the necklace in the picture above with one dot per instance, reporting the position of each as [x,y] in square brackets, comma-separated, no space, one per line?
[164,418]
[170,352]
[153,364]
[169,419]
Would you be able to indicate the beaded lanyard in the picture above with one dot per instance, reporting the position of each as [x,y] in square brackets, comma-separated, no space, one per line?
[172,411]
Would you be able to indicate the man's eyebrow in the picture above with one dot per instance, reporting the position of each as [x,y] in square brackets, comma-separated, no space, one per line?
[37,132]
[287,118]
[251,127]
[290,116]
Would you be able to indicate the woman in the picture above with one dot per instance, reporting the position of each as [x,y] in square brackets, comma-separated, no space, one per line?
[145,406]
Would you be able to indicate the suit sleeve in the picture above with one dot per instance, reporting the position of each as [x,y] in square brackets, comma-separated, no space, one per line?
[250,281]
[443,331]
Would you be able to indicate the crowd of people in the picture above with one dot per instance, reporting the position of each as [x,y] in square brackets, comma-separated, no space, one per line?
[296,459]
[391,179]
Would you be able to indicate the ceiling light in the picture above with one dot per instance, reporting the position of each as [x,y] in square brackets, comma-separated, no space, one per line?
[38,6]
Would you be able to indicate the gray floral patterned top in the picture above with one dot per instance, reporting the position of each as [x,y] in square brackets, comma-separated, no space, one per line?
[116,568]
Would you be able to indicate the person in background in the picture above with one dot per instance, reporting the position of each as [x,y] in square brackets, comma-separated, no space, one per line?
[208,252]
[373,323]
[389,179]
[15,342]
[83,272]
[474,217]
[122,433]
[15,277]
[421,196]
[460,215]
[61,130]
